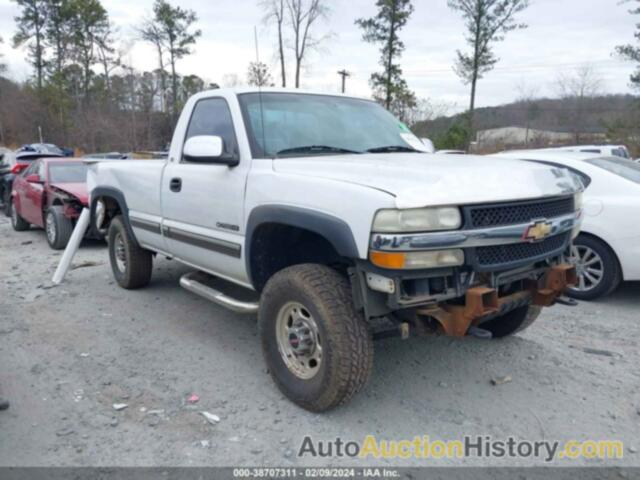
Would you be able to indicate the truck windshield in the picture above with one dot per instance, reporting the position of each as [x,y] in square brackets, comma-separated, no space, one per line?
[293,124]
[67,173]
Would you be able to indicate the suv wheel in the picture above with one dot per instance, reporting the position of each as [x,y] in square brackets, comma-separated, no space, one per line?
[17,222]
[512,322]
[131,264]
[318,349]
[597,268]
[58,228]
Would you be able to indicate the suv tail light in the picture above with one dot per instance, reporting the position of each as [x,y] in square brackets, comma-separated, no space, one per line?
[17,168]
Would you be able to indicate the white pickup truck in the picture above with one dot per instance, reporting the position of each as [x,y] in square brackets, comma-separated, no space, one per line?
[326,209]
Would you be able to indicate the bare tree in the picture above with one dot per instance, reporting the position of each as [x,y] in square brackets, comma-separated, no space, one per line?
[109,57]
[258,75]
[486,22]
[151,32]
[578,88]
[303,14]
[275,10]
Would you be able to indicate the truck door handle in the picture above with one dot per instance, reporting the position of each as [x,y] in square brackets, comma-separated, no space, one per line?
[175,185]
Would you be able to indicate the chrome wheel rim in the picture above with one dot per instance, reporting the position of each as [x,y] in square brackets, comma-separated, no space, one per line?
[589,267]
[50,228]
[120,255]
[299,340]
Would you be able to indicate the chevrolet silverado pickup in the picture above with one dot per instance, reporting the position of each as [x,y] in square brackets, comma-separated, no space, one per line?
[337,228]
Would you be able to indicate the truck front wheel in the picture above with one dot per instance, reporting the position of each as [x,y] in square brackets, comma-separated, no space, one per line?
[512,322]
[318,349]
[130,263]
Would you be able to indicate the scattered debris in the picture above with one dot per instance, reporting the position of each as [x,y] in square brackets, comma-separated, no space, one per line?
[28,242]
[501,380]
[86,264]
[205,443]
[156,412]
[143,409]
[193,399]
[211,418]
[604,353]
[84,355]
[65,432]
[114,422]
[119,406]
[633,449]
[78,395]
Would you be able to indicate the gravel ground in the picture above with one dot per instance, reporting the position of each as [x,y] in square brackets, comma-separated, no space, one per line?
[70,352]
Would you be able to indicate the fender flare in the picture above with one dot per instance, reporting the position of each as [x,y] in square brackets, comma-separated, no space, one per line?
[335,230]
[118,196]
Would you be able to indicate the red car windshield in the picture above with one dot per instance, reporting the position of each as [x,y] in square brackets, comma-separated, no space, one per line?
[67,173]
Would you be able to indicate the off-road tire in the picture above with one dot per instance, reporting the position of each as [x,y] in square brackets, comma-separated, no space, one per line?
[512,322]
[347,345]
[139,262]
[18,223]
[62,228]
[612,275]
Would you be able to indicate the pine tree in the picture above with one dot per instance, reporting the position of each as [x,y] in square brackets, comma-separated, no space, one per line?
[389,88]
[632,52]
[31,31]
[487,22]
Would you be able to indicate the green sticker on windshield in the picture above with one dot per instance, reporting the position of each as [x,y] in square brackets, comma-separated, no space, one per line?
[403,127]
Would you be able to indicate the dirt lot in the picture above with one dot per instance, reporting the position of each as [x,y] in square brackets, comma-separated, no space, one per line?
[68,353]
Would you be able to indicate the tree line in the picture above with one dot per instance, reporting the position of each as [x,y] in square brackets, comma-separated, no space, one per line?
[84,94]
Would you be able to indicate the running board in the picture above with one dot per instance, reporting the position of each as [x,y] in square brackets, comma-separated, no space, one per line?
[188,282]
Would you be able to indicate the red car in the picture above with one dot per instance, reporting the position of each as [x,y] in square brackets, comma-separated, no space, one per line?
[50,194]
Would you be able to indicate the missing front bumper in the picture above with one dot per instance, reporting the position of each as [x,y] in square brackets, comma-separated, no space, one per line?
[481,303]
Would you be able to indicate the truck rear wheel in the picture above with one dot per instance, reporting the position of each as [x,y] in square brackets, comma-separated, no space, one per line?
[512,322]
[319,350]
[131,264]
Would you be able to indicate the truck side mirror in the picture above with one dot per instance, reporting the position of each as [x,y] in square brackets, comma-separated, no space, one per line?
[207,149]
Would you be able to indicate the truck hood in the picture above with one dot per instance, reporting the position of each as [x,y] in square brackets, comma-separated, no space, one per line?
[78,190]
[418,180]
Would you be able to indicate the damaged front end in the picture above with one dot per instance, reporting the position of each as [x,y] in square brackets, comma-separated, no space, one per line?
[502,258]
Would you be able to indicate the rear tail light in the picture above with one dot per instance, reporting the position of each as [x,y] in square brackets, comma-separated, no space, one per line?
[17,168]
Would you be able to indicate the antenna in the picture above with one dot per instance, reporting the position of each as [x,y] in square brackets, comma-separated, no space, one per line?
[264,135]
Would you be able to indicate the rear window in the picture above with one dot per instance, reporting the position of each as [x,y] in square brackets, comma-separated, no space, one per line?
[67,173]
[619,166]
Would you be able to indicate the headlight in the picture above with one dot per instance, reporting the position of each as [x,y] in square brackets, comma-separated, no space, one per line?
[417,220]
[417,260]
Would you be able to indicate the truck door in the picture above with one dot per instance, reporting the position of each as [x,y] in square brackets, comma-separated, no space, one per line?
[202,204]
[31,194]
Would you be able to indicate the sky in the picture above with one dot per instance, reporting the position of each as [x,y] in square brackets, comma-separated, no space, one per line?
[563,35]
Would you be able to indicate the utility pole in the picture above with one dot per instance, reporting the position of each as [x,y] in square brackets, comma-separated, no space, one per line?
[344,74]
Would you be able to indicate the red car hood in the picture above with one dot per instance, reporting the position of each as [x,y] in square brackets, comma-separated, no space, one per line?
[78,190]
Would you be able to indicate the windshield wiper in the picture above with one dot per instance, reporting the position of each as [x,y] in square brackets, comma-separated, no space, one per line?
[315,149]
[393,148]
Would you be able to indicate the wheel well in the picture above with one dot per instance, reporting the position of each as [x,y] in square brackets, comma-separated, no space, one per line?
[606,244]
[276,246]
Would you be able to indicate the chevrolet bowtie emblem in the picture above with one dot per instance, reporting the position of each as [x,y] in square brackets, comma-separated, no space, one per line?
[538,230]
